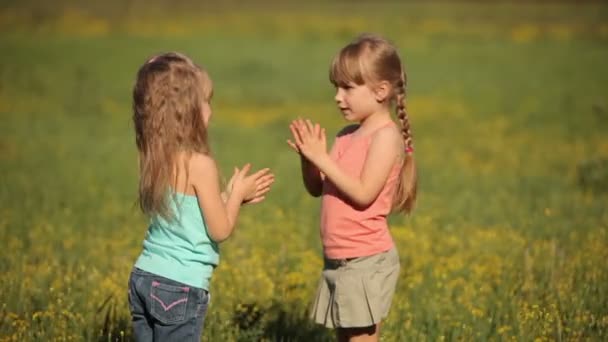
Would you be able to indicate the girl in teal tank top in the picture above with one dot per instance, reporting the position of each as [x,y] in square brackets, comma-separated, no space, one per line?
[179,191]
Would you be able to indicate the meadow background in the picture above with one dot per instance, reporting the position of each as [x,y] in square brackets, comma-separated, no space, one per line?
[509,108]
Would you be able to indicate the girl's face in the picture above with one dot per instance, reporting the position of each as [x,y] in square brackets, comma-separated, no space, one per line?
[207,112]
[356,102]
[206,95]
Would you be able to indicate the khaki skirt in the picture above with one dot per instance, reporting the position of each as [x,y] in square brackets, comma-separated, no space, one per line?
[356,292]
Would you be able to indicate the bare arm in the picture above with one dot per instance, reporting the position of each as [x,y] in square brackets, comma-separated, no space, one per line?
[313,180]
[221,215]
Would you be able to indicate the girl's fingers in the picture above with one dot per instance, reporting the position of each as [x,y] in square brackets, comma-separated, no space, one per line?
[296,135]
[302,126]
[262,191]
[269,178]
[263,187]
[296,126]
[256,200]
[293,130]
[304,131]
[261,178]
[265,179]
[310,126]
[293,145]
[245,170]
[234,174]
[267,175]
[265,184]
[261,173]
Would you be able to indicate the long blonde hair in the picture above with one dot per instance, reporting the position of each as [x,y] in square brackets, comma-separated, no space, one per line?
[370,59]
[168,98]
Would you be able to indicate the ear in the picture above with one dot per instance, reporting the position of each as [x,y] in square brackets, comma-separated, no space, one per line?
[382,91]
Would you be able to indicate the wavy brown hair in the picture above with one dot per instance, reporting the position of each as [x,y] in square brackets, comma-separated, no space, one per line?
[371,59]
[168,96]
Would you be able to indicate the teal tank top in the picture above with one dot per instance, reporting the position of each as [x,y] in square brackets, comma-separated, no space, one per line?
[180,249]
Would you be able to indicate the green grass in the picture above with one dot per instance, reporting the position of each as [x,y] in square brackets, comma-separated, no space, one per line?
[505,243]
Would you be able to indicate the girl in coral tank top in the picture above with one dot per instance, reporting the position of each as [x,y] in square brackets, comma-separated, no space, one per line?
[368,173]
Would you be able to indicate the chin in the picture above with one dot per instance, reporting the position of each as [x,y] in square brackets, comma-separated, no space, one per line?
[347,116]
[352,118]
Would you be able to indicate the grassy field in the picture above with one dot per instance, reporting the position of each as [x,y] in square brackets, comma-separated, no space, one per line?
[509,109]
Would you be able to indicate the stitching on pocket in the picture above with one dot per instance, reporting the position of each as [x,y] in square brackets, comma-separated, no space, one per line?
[168,307]
[169,302]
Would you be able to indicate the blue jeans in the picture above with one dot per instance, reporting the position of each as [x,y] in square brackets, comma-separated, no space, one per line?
[165,310]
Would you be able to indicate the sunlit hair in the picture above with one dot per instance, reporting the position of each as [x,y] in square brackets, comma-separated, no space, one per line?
[369,60]
[168,99]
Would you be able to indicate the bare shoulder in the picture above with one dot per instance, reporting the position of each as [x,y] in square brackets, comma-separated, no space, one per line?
[201,166]
[347,130]
[387,141]
[388,136]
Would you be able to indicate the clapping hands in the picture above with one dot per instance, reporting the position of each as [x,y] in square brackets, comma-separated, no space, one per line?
[251,188]
[308,139]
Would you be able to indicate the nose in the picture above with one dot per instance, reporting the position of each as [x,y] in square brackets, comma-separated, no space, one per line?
[338,97]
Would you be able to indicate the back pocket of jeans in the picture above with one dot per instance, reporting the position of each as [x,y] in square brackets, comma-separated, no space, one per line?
[169,302]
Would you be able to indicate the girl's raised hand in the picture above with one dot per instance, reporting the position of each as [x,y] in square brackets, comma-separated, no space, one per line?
[309,139]
[263,180]
[294,132]
[251,188]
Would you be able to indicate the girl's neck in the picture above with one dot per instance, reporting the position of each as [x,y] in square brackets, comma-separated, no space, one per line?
[373,122]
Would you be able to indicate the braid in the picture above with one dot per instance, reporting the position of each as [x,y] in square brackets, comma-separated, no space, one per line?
[403,117]
[405,196]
